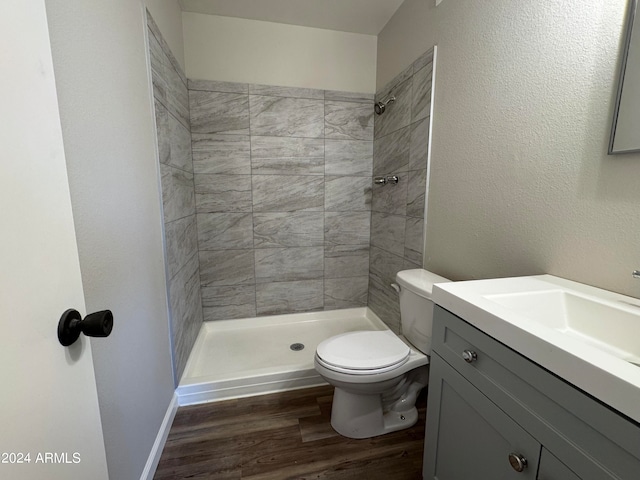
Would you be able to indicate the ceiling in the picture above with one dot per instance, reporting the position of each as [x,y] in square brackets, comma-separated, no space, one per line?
[357,16]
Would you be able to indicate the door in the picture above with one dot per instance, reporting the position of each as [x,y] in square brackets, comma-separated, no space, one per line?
[49,418]
[468,436]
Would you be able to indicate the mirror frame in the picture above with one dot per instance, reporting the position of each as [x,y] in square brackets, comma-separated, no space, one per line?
[631,14]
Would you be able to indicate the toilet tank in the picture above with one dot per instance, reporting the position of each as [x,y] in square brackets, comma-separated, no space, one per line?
[416,307]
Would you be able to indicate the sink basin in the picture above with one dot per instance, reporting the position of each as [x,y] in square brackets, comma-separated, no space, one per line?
[613,328]
[588,336]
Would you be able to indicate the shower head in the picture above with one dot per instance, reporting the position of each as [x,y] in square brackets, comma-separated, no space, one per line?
[381,106]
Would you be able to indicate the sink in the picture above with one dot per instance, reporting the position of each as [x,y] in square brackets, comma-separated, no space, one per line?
[613,328]
[587,336]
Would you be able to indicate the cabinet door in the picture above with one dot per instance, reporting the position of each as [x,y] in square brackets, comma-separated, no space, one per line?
[553,469]
[468,436]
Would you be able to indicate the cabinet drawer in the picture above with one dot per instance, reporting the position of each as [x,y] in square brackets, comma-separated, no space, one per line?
[594,441]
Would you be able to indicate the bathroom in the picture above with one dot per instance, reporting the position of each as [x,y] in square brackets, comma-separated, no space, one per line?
[520,180]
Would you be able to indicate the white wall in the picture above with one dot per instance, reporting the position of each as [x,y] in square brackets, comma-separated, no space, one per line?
[100,62]
[250,51]
[168,17]
[520,179]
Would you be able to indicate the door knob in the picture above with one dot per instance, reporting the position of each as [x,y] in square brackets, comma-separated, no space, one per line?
[98,324]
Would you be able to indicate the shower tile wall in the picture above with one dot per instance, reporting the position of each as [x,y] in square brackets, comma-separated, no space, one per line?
[171,103]
[283,197]
[401,136]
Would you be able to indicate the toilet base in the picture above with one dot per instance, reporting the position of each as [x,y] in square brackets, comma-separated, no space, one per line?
[361,416]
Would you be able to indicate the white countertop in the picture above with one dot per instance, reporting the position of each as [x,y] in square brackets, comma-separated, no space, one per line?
[610,379]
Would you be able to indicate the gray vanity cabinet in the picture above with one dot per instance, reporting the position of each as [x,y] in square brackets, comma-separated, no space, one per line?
[492,414]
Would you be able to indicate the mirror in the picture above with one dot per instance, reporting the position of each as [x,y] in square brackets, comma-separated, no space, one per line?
[625,134]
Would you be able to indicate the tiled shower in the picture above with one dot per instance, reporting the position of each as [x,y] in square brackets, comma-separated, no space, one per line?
[269,203]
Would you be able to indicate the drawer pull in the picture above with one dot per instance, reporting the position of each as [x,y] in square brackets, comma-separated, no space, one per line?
[469,356]
[518,462]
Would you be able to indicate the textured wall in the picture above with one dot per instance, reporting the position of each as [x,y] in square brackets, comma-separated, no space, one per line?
[397,219]
[283,195]
[250,51]
[520,179]
[106,111]
[171,101]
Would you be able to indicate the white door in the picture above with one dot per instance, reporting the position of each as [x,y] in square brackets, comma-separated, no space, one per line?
[49,417]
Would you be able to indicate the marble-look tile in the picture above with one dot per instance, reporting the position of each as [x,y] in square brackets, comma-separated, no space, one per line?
[223,193]
[289,264]
[347,194]
[215,112]
[348,157]
[168,86]
[227,267]
[174,140]
[186,310]
[289,297]
[181,238]
[416,190]
[384,265]
[345,292]
[387,232]
[287,156]
[421,93]
[384,302]
[341,96]
[347,228]
[155,31]
[348,120]
[294,92]
[391,153]
[398,114]
[413,240]
[162,131]
[179,145]
[227,302]
[346,261]
[223,231]
[221,153]
[288,229]
[419,145]
[407,265]
[391,198]
[426,57]
[216,86]
[287,193]
[385,91]
[178,198]
[286,117]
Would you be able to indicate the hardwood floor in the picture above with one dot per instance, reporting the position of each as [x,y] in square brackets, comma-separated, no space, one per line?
[284,436]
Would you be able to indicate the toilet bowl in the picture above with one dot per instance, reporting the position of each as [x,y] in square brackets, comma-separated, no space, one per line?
[378,375]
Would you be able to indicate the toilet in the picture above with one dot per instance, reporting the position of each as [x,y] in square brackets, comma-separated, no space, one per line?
[378,375]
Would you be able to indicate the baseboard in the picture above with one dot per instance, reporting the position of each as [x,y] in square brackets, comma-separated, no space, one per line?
[156,451]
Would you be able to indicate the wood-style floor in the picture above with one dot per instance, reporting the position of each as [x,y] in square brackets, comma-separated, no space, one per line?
[284,436]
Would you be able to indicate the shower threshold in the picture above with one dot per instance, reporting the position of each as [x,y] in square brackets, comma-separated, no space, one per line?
[254,356]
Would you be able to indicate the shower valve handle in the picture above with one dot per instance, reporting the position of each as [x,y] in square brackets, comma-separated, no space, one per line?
[392,179]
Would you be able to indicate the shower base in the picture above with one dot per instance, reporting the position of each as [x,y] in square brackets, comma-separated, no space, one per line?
[254,356]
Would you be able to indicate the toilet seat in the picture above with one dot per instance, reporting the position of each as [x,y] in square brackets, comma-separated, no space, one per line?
[363,353]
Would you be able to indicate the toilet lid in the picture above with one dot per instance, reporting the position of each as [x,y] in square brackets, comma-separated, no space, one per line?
[368,350]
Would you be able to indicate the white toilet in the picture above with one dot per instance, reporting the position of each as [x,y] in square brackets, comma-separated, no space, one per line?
[376,374]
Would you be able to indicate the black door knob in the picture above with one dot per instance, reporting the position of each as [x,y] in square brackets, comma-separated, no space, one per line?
[98,324]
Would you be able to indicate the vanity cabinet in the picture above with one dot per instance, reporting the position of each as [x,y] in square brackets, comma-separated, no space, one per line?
[493,414]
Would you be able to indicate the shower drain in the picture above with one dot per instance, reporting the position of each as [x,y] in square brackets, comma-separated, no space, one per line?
[296,346]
